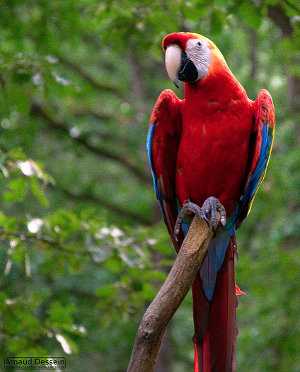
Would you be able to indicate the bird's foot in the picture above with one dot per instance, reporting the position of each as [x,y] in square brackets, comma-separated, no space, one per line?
[212,211]
[188,209]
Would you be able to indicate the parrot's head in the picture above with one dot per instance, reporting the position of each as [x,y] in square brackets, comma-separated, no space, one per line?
[190,57]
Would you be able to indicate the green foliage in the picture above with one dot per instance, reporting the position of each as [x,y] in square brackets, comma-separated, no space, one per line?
[83,249]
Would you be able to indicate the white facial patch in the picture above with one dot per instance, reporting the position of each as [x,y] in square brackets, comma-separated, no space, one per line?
[173,61]
[199,53]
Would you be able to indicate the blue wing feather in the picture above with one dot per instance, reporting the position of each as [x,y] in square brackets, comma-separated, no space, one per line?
[261,165]
[255,179]
[150,159]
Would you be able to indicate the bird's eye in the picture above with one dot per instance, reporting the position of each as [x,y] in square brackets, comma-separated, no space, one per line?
[199,43]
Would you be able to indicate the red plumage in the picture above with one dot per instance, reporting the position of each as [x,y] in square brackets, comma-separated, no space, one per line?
[214,142]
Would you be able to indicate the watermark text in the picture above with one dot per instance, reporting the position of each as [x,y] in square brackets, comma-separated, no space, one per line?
[35,363]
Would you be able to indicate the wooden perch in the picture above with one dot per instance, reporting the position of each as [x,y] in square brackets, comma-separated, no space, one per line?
[169,297]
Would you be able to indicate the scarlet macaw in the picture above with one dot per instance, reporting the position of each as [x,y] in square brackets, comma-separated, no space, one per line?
[213,145]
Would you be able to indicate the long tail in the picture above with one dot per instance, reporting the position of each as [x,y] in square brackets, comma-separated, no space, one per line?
[215,320]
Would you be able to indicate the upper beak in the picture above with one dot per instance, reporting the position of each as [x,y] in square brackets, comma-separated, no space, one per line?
[179,67]
[173,62]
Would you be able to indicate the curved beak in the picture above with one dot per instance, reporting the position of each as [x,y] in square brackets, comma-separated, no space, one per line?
[179,67]
[173,62]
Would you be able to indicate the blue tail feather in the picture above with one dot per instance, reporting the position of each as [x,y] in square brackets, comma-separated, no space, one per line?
[213,261]
[215,257]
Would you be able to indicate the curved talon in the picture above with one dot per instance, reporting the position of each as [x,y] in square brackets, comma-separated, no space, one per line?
[215,212]
[188,208]
[212,211]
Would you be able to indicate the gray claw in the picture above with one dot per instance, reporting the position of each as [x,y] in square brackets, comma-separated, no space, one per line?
[215,212]
[188,208]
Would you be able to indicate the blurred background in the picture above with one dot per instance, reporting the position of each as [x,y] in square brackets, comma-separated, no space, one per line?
[83,247]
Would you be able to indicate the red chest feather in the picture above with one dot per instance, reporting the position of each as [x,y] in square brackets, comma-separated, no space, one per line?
[213,151]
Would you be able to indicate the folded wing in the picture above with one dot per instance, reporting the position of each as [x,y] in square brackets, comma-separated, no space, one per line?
[260,151]
[162,148]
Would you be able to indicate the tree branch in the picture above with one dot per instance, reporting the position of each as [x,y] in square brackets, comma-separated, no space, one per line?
[277,14]
[39,111]
[253,52]
[281,19]
[114,208]
[101,116]
[100,86]
[169,297]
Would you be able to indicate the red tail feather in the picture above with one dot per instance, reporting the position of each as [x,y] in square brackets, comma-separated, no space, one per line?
[215,322]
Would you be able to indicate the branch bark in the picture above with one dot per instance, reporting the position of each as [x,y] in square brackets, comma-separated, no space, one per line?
[169,297]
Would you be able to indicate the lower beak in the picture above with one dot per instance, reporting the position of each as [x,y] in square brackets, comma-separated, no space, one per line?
[176,83]
[187,71]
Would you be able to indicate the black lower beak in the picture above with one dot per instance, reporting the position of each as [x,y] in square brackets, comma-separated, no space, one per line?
[188,71]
